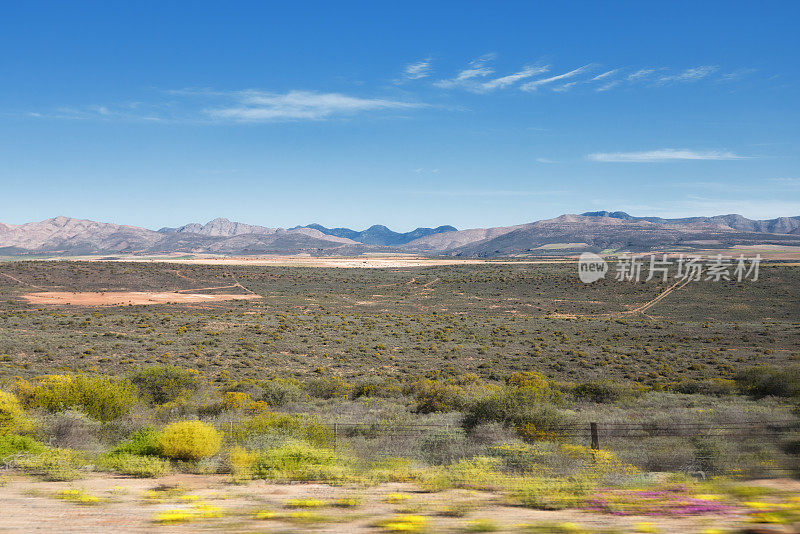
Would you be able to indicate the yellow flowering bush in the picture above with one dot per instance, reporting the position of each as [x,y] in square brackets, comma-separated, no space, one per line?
[12,416]
[101,397]
[189,440]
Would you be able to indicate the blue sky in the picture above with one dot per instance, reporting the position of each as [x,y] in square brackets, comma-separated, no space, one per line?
[404,113]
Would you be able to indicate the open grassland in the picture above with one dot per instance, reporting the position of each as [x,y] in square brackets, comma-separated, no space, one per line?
[447,398]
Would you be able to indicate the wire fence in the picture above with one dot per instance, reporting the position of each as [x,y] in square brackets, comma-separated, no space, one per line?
[754,448]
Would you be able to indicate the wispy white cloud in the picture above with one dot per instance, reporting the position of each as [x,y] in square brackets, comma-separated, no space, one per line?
[640,74]
[689,75]
[258,106]
[664,154]
[545,160]
[535,84]
[736,75]
[477,68]
[418,70]
[608,86]
[605,75]
[511,79]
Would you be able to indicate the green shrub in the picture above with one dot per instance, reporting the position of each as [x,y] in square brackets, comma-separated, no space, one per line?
[53,464]
[432,396]
[145,442]
[189,440]
[284,425]
[166,383]
[135,465]
[101,397]
[329,388]
[374,387]
[602,391]
[280,392]
[528,409]
[766,380]
[301,462]
[12,416]
[11,444]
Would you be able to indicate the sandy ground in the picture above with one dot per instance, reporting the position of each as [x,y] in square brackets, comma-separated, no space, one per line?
[28,505]
[124,298]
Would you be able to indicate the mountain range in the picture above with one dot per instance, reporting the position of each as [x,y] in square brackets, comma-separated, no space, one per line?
[567,234]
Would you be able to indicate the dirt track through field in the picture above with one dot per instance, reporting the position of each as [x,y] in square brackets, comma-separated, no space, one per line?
[647,305]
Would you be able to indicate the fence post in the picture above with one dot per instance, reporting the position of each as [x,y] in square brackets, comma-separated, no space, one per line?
[595,441]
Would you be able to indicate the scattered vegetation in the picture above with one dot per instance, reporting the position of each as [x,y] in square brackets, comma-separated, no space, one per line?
[486,383]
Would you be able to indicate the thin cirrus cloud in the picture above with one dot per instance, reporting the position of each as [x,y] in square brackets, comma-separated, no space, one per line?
[258,106]
[194,105]
[476,77]
[535,84]
[511,79]
[689,75]
[477,69]
[418,70]
[662,155]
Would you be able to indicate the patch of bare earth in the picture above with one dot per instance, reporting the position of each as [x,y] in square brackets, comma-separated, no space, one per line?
[125,298]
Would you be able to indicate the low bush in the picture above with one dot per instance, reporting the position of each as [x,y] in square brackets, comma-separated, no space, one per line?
[101,397]
[11,444]
[53,464]
[280,392]
[142,443]
[329,388]
[374,387]
[236,400]
[282,426]
[602,391]
[445,446]
[432,396]
[300,462]
[135,465]
[164,383]
[528,409]
[189,440]
[12,416]
[72,429]
[766,380]
[240,463]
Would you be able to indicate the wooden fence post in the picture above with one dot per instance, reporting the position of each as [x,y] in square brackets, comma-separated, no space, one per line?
[595,441]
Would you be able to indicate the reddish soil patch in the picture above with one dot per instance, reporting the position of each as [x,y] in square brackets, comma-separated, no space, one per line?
[124,298]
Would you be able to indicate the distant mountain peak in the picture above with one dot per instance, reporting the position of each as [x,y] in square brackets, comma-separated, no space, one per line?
[378,234]
[612,214]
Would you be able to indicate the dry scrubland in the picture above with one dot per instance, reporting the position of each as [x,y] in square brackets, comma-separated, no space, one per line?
[449,398]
